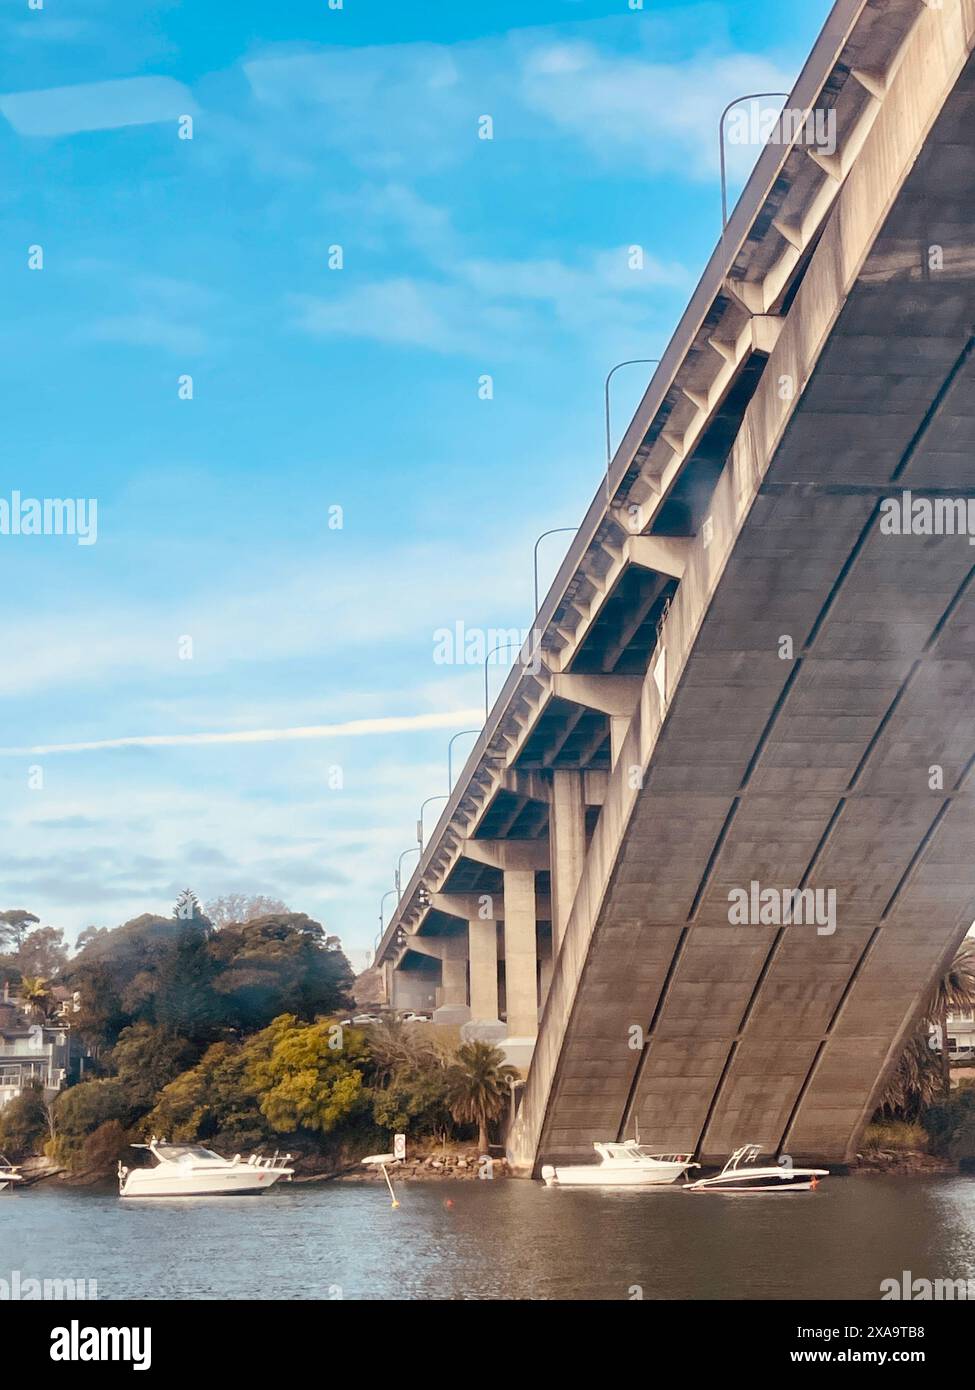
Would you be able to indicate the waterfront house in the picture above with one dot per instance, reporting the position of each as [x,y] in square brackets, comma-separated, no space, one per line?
[33,1051]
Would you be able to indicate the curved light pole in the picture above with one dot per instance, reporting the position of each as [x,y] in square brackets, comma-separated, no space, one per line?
[450,749]
[556,531]
[630,362]
[399,869]
[749,96]
[507,646]
[382,928]
[419,823]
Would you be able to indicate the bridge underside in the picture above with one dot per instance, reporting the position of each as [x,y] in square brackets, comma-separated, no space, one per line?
[842,763]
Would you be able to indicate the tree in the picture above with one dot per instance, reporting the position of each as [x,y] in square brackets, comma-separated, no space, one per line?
[214,1098]
[280,963]
[14,925]
[24,1123]
[242,907]
[478,1086]
[42,952]
[81,1110]
[408,1069]
[36,994]
[147,1058]
[177,973]
[310,1080]
[920,1074]
[953,991]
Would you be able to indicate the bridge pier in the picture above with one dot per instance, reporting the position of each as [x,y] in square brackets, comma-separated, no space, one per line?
[520,965]
[567,840]
[483,951]
[453,981]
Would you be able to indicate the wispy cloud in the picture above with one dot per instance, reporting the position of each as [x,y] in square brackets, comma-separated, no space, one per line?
[416,106]
[97,106]
[630,110]
[353,728]
[483,303]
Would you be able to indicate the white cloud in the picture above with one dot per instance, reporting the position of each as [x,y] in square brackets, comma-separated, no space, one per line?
[646,115]
[97,106]
[490,304]
[353,728]
[416,106]
[401,310]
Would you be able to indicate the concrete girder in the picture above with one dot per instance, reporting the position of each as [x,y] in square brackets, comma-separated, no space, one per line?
[470,906]
[613,695]
[508,854]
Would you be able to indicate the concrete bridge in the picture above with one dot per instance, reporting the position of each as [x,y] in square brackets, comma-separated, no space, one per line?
[743,678]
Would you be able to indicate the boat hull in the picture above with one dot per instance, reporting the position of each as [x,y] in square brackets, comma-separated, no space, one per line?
[241,1182]
[597,1175]
[759,1182]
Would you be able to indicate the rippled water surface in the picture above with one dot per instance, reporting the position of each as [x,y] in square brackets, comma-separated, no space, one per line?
[504,1239]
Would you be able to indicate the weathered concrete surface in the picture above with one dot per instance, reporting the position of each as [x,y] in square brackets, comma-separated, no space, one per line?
[814,770]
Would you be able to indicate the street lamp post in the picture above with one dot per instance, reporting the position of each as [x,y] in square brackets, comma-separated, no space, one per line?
[501,645]
[556,531]
[419,822]
[630,362]
[450,749]
[749,96]
[399,869]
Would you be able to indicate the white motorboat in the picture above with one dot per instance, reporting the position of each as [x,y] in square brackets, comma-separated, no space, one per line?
[8,1174]
[629,1164]
[189,1170]
[740,1175]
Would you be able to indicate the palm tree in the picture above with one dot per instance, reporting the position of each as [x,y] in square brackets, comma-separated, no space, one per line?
[477,1087]
[954,991]
[920,1074]
[35,993]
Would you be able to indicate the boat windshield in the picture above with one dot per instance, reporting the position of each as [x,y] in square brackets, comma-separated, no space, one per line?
[174,1152]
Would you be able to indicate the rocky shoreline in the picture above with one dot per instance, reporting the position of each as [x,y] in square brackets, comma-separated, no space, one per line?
[465,1166]
[902,1161]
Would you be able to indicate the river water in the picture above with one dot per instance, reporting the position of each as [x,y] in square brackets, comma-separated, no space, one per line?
[497,1240]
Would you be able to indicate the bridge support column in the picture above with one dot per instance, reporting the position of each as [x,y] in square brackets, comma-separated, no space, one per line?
[453,981]
[520,966]
[567,843]
[483,947]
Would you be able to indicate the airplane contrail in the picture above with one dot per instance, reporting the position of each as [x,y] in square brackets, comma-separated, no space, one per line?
[353,728]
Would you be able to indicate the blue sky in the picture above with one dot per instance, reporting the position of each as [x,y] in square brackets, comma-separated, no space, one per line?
[314,388]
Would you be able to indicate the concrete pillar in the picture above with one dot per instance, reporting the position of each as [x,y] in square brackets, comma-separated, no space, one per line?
[452,1008]
[520,972]
[454,972]
[567,846]
[483,948]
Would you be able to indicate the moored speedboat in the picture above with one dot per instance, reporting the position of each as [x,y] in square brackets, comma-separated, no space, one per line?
[189,1170]
[740,1175]
[8,1174]
[629,1164]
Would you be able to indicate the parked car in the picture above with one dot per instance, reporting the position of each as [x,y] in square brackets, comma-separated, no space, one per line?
[359,1019]
[411,1017]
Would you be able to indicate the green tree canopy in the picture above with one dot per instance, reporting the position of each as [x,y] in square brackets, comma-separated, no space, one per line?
[312,1077]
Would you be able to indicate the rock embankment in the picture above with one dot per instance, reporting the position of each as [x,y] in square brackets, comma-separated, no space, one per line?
[903,1161]
[466,1165]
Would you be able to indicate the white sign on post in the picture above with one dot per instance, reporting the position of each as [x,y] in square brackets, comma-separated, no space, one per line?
[399,1145]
